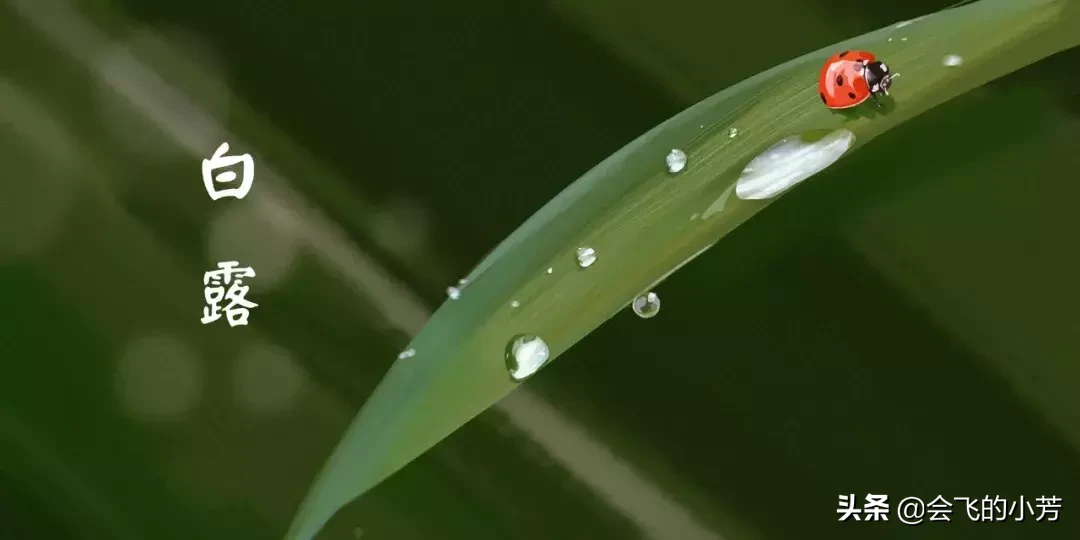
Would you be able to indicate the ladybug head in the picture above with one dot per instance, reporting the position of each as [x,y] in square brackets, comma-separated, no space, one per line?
[878,77]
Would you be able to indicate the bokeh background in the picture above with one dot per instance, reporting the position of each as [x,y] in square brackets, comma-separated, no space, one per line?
[907,323]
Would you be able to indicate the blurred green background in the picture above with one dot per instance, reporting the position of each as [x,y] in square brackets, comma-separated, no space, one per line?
[905,324]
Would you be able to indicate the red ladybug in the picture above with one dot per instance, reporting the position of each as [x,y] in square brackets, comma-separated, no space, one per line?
[849,78]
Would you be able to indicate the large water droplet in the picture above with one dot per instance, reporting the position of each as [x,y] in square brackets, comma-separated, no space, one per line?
[789,162]
[453,292]
[676,160]
[952,60]
[646,305]
[525,355]
[586,256]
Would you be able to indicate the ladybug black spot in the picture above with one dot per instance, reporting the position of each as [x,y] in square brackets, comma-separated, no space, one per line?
[843,54]
[839,80]
[851,95]
[823,100]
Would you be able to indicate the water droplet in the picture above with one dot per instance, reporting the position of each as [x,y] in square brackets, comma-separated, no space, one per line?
[789,162]
[408,353]
[585,257]
[515,303]
[694,216]
[903,39]
[525,355]
[952,60]
[462,282]
[550,270]
[453,292]
[890,39]
[676,161]
[718,205]
[646,305]
[732,133]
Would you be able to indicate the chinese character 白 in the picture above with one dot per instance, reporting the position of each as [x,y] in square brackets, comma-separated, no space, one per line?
[877,508]
[219,161]
[847,508]
[939,509]
[236,311]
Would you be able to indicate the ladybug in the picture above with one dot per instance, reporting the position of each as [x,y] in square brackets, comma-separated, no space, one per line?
[850,77]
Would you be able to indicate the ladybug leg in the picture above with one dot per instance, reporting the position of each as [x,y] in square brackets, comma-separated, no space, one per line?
[876,102]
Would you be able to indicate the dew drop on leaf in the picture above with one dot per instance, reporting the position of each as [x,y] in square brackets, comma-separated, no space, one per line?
[525,355]
[676,161]
[789,162]
[586,256]
[646,305]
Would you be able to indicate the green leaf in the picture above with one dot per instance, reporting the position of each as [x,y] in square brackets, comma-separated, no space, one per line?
[644,222]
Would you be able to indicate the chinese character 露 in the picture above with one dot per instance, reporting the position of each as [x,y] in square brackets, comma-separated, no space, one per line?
[214,281]
[220,161]
[877,508]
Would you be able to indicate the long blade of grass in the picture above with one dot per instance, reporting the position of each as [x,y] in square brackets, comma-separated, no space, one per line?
[637,217]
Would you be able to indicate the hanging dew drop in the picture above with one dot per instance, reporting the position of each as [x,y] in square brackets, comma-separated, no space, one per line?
[586,256]
[525,355]
[453,292]
[646,305]
[409,353]
[676,161]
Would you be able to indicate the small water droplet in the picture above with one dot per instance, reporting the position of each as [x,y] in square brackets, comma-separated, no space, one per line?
[903,39]
[676,161]
[586,256]
[525,355]
[732,133]
[890,39]
[646,305]
[515,303]
[952,60]
[462,282]
[694,216]
[453,292]
[408,353]
[550,270]
[789,162]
